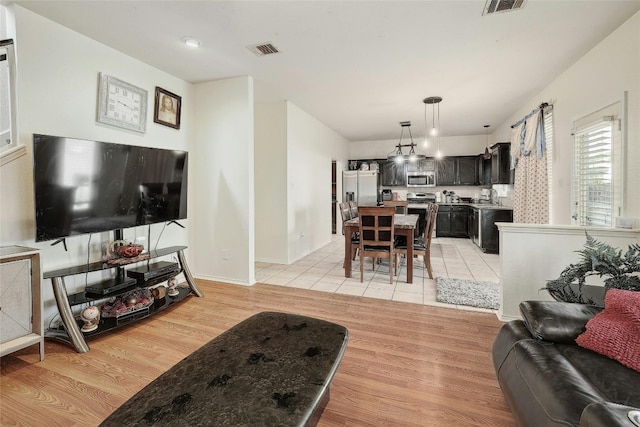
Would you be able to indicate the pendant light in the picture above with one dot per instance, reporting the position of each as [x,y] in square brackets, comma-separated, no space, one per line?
[435,123]
[487,153]
[397,155]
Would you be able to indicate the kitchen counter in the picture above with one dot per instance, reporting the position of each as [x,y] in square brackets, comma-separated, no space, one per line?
[488,206]
[473,220]
[472,205]
[418,206]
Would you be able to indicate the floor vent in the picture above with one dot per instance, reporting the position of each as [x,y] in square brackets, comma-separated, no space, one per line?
[497,6]
[263,49]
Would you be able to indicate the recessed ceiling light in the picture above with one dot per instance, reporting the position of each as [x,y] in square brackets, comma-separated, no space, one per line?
[191,42]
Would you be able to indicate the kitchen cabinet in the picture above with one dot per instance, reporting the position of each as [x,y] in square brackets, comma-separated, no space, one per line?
[484,231]
[452,221]
[483,167]
[474,218]
[393,174]
[446,171]
[460,170]
[501,172]
[422,165]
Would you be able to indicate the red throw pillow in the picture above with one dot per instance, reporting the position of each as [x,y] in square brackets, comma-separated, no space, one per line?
[615,331]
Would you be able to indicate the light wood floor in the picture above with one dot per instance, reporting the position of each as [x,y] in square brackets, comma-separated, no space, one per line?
[405,365]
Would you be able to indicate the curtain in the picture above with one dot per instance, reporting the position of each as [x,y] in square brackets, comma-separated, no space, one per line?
[531,190]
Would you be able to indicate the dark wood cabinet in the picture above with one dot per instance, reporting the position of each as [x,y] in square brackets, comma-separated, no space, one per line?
[483,167]
[501,172]
[472,224]
[452,221]
[393,174]
[446,171]
[467,173]
[461,170]
[489,240]
[422,165]
[334,196]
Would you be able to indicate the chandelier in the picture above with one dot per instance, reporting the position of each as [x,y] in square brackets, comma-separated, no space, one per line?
[397,155]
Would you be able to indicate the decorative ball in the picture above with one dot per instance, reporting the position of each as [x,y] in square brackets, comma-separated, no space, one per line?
[91,318]
[91,314]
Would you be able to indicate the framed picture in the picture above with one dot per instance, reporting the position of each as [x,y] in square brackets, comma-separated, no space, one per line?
[167,108]
[121,104]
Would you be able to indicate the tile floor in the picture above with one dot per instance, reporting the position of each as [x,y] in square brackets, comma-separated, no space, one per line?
[322,271]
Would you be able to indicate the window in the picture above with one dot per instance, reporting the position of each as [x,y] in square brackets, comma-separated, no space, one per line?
[6,95]
[597,168]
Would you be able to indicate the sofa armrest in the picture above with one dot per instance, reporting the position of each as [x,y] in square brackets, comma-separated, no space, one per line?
[555,321]
[607,414]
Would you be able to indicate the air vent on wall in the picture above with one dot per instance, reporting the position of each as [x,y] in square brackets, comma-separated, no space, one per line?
[496,6]
[263,49]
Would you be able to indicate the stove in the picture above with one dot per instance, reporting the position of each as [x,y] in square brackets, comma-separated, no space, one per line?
[421,198]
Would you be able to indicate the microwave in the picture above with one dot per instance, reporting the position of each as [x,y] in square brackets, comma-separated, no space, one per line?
[421,179]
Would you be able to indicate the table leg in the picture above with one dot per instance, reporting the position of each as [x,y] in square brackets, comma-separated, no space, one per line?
[347,251]
[409,235]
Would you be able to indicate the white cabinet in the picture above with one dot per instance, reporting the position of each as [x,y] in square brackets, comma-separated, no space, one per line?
[20,300]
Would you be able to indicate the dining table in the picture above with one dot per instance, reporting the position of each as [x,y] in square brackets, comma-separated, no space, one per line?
[403,225]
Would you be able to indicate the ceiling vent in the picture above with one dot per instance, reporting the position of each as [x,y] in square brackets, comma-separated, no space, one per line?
[263,49]
[496,6]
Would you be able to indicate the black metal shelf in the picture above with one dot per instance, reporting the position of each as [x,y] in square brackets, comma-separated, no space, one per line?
[70,330]
[86,297]
[101,265]
[110,323]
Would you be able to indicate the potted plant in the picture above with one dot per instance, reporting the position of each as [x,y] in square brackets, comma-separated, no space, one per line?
[602,260]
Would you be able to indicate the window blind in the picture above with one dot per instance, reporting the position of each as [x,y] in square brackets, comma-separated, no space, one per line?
[593,174]
[598,167]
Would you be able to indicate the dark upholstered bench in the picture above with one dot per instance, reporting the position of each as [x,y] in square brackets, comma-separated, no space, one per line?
[272,369]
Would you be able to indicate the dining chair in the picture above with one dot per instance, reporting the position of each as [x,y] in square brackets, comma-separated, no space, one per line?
[422,244]
[376,236]
[401,207]
[345,213]
[354,209]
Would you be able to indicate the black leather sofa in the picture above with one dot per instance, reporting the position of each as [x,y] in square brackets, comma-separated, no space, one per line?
[548,380]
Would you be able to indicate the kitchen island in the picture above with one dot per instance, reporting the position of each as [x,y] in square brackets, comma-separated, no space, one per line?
[475,221]
[482,225]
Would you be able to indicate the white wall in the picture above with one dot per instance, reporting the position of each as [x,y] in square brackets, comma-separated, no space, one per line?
[271,182]
[311,146]
[449,146]
[57,94]
[595,81]
[293,182]
[222,233]
[531,254]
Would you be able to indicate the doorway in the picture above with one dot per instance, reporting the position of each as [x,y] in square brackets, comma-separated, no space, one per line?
[334,196]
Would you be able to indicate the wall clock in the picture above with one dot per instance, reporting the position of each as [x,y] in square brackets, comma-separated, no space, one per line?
[122,104]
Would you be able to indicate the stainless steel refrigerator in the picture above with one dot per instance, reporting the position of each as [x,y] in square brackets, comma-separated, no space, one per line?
[361,186]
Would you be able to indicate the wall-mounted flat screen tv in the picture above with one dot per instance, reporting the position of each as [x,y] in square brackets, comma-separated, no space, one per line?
[84,186]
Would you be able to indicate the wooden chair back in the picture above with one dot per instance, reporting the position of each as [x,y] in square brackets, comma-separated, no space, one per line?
[376,235]
[432,215]
[345,211]
[354,209]
[399,205]
[422,245]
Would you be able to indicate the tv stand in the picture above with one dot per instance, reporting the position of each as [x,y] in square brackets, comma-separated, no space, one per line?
[69,331]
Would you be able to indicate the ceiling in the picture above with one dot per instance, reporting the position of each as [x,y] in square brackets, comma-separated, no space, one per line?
[360,67]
